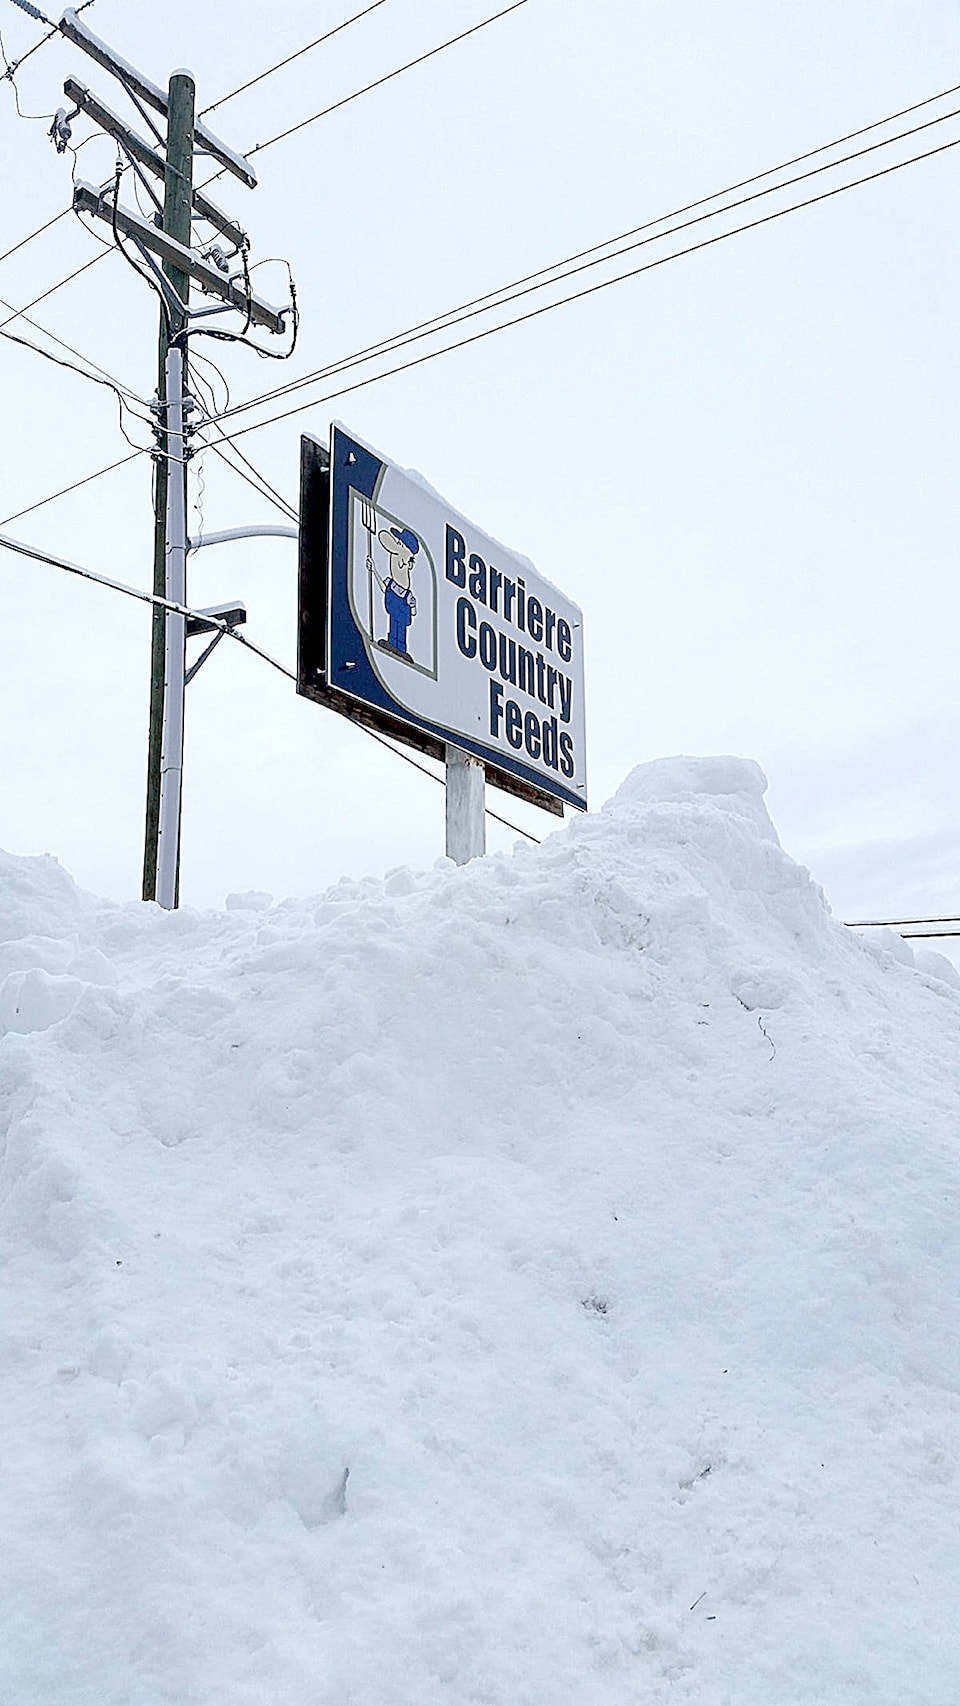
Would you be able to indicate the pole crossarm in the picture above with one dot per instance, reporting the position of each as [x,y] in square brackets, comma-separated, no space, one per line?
[109,121]
[77,32]
[87,199]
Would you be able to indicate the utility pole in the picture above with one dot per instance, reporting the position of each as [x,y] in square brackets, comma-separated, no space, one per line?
[173,685]
[169,237]
[177,213]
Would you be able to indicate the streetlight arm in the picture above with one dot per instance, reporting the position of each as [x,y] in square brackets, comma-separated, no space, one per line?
[264,531]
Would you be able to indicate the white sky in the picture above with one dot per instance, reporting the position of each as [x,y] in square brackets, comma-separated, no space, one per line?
[742,465]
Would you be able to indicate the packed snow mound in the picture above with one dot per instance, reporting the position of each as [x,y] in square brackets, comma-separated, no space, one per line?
[532,1284]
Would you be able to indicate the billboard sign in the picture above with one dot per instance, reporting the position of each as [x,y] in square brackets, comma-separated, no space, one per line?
[433,631]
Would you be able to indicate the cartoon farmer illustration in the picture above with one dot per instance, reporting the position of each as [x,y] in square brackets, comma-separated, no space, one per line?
[401,546]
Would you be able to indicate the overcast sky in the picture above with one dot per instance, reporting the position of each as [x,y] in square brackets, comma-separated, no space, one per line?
[742,464]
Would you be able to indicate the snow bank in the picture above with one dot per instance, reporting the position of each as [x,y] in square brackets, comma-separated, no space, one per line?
[530,1284]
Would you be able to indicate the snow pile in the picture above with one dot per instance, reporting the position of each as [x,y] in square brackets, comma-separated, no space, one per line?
[527,1285]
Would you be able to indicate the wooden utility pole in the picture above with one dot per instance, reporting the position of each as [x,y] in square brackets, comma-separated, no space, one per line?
[177,211]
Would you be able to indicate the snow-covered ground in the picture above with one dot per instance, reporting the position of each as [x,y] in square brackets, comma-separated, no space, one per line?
[532,1285]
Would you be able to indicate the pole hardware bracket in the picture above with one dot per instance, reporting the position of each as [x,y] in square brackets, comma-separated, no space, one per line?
[234,615]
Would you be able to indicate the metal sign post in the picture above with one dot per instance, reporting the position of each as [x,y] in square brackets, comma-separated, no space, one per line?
[466,819]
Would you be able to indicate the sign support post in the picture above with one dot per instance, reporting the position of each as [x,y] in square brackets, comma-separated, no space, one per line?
[466,819]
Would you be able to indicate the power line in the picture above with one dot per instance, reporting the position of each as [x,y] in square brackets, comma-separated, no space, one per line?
[65,490]
[895,923]
[108,378]
[38,233]
[388,77]
[38,556]
[145,450]
[108,384]
[291,57]
[58,286]
[399,753]
[567,269]
[260,484]
[927,935]
[51,32]
[531,314]
[593,289]
[175,609]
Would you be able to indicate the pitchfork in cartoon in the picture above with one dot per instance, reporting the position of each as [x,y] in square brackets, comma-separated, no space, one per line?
[401,546]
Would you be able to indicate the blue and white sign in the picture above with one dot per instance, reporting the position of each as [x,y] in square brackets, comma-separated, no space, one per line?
[434,623]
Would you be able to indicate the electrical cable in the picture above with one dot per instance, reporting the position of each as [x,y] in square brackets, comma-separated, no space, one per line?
[388,77]
[895,923]
[531,314]
[175,609]
[9,76]
[66,490]
[119,244]
[929,935]
[269,491]
[38,233]
[108,377]
[58,286]
[153,598]
[376,84]
[197,359]
[399,753]
[52,31]
[564,269]
[263,490]
[591,290]
[108,384]
[290,58]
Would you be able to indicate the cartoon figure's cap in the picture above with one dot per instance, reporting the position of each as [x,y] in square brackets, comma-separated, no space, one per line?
[406,538]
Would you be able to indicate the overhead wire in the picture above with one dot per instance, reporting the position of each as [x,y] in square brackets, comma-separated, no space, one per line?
[54,287]
[32,551]
[308,48]
[37,233]
[95,379]
[388,77]
[530,314]
[9,77]
[53,30]
[575,264]
[259,484]
[168,604]
[588,290]
[895,923]
[108,377]
[377,83]
[73,487]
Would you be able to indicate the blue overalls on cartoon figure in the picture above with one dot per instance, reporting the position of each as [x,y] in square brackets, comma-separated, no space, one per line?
[401,606]
[400,609]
